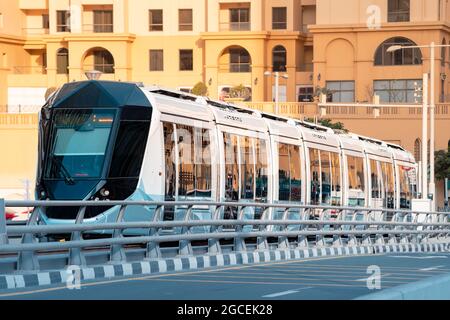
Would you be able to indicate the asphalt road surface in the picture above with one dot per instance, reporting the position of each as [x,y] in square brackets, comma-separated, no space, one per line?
[321,278]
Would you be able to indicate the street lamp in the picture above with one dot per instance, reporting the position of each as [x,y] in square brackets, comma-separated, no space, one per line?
[277,84]
[432,46]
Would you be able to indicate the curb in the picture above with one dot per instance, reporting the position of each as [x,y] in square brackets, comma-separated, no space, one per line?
[154,266]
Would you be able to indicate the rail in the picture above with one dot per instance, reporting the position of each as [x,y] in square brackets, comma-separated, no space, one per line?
[254,226]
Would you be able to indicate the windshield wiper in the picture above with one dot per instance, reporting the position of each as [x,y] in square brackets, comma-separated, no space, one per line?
[63,170]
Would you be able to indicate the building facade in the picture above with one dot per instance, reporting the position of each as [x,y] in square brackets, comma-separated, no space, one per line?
[337,46]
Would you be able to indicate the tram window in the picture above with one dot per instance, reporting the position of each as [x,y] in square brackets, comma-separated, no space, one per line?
[388,179]
[314,159]
[284,171]
[406,186]
[296,180]
[231,167]
[194,167]
[202,153]
[289,173]
[325,163]
[247,168]
[356,185]
[169,160]
[261,170]
[336,179]
[376,180]
[129,150]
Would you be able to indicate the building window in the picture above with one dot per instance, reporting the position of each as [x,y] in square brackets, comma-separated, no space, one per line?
[186,60]
[185,20]
[443,53]
[103,21]
[156,60]
[103,61]
[279,18]
[341,91]
[279,57]
[62,61]
[398,10]
[62,21]
[398,91]
[45,21]
[401,57]
[305,94]
[156,20]
[418,150]
[239,19]
[239,60]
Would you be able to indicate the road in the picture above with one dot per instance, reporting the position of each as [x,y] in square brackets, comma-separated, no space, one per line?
[321,278]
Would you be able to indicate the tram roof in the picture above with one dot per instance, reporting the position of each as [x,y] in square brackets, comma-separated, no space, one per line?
[101,94]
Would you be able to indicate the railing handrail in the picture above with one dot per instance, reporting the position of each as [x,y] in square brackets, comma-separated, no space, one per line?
[25,203]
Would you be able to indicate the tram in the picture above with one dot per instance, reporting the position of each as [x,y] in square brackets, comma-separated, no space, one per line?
[104,140]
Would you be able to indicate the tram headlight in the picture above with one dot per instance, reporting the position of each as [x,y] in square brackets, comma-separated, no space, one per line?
[104,192]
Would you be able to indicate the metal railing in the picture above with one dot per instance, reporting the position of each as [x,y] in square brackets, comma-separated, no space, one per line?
[30,70]
[256,226]
[235,26]
[98,28]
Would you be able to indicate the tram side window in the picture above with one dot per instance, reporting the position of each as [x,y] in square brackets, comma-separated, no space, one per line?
[388,179]
[194,166]
[314,159]
[325,163]
[406,186]
[261,170]
[336,190]
[376,182]
[169,161]
[231,167]
[289,173]
[356,185]
[247,168]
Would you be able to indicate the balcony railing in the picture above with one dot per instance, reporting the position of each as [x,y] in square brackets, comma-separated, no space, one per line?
[305,67]
[105,68]
[234,26]
[29,70]
[98,28]
[35,31]
[399,16]
[235,68]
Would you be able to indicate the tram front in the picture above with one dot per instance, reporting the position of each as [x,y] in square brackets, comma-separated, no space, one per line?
[92,139]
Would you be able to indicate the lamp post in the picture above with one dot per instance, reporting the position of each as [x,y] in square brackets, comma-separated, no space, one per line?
[432,46]
[277,84]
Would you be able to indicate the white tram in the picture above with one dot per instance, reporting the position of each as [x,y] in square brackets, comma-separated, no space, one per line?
[103,140]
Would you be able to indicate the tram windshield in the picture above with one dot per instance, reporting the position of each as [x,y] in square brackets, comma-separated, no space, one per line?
[80,140]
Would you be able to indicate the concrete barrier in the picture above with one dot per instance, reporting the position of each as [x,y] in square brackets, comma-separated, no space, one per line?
[433,288]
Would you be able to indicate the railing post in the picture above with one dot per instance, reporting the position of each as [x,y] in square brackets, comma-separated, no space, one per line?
[3,234]
[76,256]
[214,244]
[185,245]
[27,260]
[153,249]
[239,243]
[283,242]
[302,240]
[117,251]
[261,242]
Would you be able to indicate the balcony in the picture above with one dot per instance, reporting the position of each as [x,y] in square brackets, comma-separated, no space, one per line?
[33,4]
[29,70]
[35,31]
[98,28]
[234,26]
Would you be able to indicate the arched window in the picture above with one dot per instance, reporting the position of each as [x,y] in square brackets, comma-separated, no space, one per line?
[279,59]
[103,61]
[400,57]
[62,61]
[418,150]
[443,53]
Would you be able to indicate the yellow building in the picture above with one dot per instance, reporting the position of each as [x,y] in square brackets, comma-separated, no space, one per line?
[336,45]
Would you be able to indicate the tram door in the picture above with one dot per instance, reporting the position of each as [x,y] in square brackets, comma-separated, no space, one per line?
[246,174]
